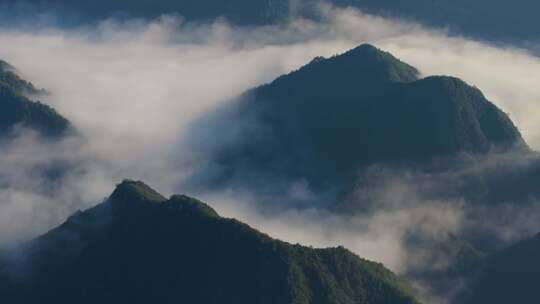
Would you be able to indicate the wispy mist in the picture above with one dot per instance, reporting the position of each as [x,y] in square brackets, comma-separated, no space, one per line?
[132,88]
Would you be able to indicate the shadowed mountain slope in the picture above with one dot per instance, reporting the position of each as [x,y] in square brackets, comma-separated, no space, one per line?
[140,247]
[334,116]
[18,109]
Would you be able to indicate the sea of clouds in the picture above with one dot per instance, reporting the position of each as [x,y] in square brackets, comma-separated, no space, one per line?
[132,89]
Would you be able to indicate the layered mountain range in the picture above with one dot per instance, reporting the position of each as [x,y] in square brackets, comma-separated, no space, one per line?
[325,124]
[333,122]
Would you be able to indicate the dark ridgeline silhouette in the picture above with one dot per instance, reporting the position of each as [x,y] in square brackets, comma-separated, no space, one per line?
[140,247]
[17,107]
[495,20]
[335,116]
[335,119]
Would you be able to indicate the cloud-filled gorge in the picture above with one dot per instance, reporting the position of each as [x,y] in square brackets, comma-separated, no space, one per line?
[133,88]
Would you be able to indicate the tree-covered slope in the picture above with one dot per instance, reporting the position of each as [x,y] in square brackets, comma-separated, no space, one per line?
[140,247]
[10,78]
[17,108]
[334,116]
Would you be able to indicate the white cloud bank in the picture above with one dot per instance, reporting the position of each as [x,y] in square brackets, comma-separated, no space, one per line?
[132,88]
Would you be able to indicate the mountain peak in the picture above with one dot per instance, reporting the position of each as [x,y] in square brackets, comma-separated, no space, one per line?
[363,64]
[335,116]
[367,48]
[191,206]
[130,191]
[182,257]
[380,64]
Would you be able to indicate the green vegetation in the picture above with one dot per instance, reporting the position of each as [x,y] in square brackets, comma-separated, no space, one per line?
[191,206]
[9,78]
[139,248]
[335,116]
[16,108]
[134,191]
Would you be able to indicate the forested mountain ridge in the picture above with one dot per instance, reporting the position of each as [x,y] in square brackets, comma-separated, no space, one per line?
[140,247]
[17,107]
[9,77]
[335,116]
